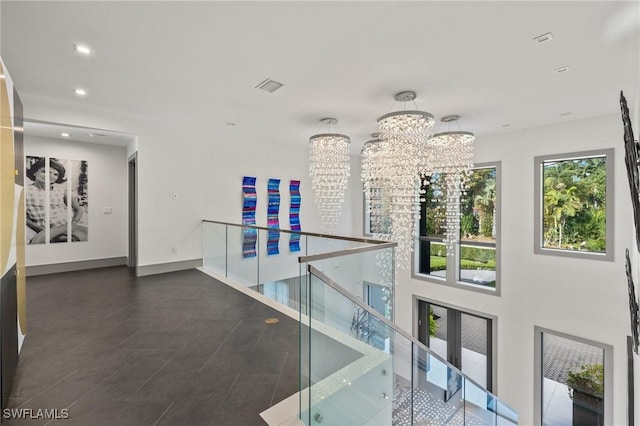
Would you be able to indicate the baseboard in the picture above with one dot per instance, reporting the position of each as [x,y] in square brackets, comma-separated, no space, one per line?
[161,268]
[54,268]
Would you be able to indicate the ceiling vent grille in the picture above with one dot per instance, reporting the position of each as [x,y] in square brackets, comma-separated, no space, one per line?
[543,38]
[269,85]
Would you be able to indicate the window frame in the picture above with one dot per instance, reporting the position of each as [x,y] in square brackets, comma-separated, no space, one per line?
[453,267]
[538,358]
[608,154]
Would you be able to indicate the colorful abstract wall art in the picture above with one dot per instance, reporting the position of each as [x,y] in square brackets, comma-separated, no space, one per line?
[294,215]
[273,211]
[250,199]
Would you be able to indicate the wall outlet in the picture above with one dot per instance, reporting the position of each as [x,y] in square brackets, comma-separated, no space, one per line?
[175,250]
[107,210]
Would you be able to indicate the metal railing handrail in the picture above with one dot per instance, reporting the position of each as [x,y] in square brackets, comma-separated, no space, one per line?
[309,234]
[346,293]
[345,252]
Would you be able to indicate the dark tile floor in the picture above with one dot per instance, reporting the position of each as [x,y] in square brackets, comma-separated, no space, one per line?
[171,349]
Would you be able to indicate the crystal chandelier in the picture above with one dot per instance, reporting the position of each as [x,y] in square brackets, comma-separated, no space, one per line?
[405,135]
[451,153]
[329,168]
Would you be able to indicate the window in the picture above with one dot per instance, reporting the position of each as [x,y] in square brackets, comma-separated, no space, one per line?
[574,205]
[573,380]
[377,208]
[475,263]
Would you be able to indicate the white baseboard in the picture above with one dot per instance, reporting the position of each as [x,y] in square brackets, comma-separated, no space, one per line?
[54,268]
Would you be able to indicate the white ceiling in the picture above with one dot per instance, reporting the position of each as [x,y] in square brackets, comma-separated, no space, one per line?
[199,62]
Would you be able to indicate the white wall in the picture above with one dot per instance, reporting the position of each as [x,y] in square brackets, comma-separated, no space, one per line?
[107,174]
[203,162]
[585,298]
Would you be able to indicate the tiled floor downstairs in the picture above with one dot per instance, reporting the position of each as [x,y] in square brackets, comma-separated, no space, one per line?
[170,349]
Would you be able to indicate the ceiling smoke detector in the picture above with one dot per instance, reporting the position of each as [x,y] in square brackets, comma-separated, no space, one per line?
[269,85]
[561,70]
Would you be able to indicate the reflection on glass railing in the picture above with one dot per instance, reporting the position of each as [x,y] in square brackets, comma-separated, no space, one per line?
[397,381]
[356,367]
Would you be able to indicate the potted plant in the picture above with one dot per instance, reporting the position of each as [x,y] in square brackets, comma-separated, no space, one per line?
[586,389]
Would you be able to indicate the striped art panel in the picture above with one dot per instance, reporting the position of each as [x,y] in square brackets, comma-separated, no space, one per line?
[250,199]
[273,211]
[294,215]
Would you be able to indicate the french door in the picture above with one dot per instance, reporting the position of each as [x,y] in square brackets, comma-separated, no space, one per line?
[463,339]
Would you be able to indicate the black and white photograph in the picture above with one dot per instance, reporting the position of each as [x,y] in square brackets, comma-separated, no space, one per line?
[56,207]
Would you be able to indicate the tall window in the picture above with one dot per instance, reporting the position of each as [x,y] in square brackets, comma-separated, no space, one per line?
[573,380]
[574,206]
[475,262]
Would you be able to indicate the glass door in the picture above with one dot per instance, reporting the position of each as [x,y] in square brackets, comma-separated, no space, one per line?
[462,338]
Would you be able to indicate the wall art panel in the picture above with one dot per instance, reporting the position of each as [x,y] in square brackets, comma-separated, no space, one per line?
[294,215]
[273,212]
[250,200]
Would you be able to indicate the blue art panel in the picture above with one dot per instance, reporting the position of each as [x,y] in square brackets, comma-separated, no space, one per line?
[294,215]
[250,199]
[273,210]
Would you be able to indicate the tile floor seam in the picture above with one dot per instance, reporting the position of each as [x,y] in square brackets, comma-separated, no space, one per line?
[164,412]
[275,389]
[105,379]
[218,348]
[152,376]
[46,389]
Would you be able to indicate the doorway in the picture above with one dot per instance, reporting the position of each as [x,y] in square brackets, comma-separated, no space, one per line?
[133,210]
[462,338]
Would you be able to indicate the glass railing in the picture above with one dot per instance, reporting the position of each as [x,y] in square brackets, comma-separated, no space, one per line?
[396,380]
[267,260]
[356,367]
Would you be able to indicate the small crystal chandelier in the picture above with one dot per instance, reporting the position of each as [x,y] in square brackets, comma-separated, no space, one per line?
[451,153]
[405,135]
[329,168]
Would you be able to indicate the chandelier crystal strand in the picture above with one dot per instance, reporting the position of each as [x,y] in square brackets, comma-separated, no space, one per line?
[329,169]
[452,155]
[405,134]
[377,199]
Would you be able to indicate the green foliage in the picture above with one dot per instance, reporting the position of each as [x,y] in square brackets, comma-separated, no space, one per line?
[479,254]
[588,380]
[433,325]
[439,263]
[574,204]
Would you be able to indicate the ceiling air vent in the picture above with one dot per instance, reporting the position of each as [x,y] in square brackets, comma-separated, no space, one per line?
[543,38]
[269,85]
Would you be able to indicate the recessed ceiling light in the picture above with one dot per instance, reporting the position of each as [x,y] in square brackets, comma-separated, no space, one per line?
[1,76]
[80,92]
[565,113]
[543,38]
[96,135]
[561,70]
[506,125]
[82,49]
[65,134]
[231,123]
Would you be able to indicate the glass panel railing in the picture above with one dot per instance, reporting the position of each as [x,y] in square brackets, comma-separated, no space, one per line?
[214,247]
[406,383]
[243,246]
[359,388]
[368,275]
[356,367]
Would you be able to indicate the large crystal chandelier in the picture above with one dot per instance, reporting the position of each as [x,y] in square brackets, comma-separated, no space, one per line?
[405,135]
[329,168]
[451,153]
